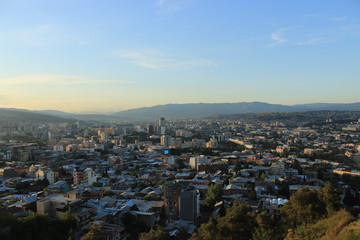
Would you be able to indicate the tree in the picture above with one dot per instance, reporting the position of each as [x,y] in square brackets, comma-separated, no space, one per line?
[330,197]
[349,199]
[213,194]
[304,207]
[158,234]
[95,233]
[108,193]
[237,224]
[263,234]
[265,230]
[207,231]
[264,220]
[67,222]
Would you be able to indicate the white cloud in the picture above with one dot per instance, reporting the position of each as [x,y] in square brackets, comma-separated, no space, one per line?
[155,59]
[278,37]
[54,80]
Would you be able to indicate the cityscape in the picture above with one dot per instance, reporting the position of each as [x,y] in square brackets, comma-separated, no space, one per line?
[173,177]
[179,120]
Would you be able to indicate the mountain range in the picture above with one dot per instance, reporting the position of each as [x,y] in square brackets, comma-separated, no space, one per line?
[193,110]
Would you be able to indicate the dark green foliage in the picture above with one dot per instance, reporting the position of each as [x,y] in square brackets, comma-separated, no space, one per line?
[263,234]
[213,194]
[352,181]
[95,233]
[330,197]
[22,186]
[304,207]
[339,226]
[109,193]
[158,234]
[307,206]
[25,187]
[131,225]
[349,199]
[35,227]
[237,224]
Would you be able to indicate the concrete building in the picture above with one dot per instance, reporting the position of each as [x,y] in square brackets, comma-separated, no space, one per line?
[86,176]
[189,205]
[194,162]
[56,205]
[45,173]
[172,192]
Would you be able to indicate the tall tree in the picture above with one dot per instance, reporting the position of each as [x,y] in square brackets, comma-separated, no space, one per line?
[213,194]
[330,197]
[237,224]
[304,207]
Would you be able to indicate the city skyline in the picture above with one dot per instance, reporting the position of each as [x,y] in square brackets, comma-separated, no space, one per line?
[87,56]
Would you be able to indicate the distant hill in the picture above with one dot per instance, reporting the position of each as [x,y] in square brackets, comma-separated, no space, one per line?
[198,110]
[26,115]
[85,117]
[293,118]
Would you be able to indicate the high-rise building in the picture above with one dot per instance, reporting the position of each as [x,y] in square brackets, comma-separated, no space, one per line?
[172,192]
[164,140]
[151,129]
[161,121]
[181,201]
[189,204]
[86,176]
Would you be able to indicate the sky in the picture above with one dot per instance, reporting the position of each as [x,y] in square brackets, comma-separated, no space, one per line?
[111,55]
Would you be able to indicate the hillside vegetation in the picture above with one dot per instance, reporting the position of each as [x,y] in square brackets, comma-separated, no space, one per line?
[339,226]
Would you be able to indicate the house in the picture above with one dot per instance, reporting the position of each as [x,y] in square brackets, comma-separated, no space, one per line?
[59,187]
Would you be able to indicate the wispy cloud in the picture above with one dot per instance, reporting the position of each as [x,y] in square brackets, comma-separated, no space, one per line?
[311,41]
[54,80]
[156,59]
[172,6]
[46,34]
[340,19]
[278,37]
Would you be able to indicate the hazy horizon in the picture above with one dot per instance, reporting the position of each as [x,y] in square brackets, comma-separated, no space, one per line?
[119,110]
[90,56]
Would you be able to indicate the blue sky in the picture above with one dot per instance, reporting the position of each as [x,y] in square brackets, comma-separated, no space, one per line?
[103,56]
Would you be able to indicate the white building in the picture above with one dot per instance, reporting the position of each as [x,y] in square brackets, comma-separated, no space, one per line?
[194,162]
[45,173]
[86,176]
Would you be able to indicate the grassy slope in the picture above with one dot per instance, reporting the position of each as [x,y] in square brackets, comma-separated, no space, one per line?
[340,226]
